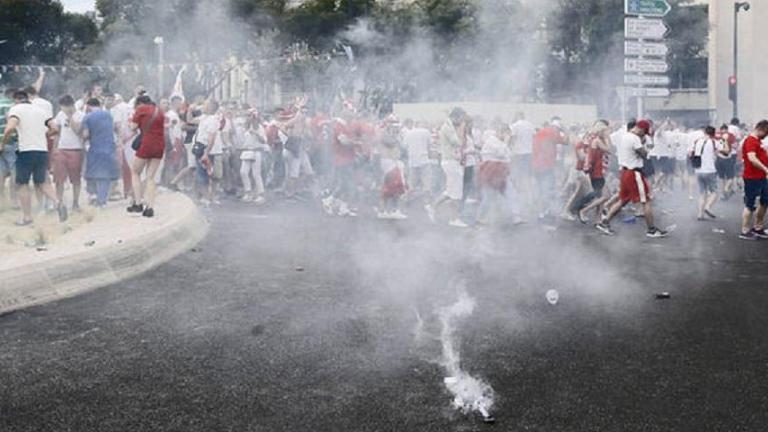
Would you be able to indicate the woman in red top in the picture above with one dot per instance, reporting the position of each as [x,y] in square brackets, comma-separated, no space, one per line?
[150,122]
[594,165]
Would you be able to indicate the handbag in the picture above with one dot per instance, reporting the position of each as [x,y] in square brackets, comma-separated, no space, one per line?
[198,149]
[136,144]
[696,158]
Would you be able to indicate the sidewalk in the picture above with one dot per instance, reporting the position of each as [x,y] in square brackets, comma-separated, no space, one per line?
[51,260]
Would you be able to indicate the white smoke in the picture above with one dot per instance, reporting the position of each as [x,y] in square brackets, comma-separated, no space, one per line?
[470,394]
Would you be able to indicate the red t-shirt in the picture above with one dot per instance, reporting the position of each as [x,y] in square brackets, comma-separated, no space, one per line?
[596,157]
[544,155]
[753,145]
[343,154]
[152,135]
[581,154]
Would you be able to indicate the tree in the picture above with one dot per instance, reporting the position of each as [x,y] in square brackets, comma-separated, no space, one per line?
[38,31]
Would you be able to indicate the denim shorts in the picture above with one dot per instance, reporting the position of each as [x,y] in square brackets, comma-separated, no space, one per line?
[7,160]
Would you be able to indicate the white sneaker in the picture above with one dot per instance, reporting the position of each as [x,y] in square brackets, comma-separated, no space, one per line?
[259,200]
[328,205]
[399,215]
[430,212]
[345,211]
[458,223]
[383,214]
[246,198]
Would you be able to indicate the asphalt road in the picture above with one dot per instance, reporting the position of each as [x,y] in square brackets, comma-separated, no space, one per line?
[285,320]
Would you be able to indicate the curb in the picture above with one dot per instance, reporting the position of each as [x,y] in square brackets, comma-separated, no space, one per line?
[68,276]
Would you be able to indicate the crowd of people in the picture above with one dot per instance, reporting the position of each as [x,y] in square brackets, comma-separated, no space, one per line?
[465,171]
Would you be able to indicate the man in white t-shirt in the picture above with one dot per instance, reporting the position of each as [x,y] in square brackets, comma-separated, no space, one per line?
[207,132]
[705,151]
[32,126]
[67,157]
[631,153]
[522,132]
[451,139]
[122,113]
[416,141]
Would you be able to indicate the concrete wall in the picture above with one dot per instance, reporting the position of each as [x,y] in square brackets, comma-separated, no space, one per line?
[753,63]
[536,113]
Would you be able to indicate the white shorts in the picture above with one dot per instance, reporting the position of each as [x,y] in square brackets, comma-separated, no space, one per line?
[295,166]
[454,179]
[191,159]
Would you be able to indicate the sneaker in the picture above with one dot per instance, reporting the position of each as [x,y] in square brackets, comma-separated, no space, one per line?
[458,223]
[246,198]
[604,228]
[62,210]
[430,212]
[398,215]
[259,200]
[382,214]
[345,211]
[710,214]
[760,233]
[148,212]
[748,236]
[135,208]
[328,205]
[568,216]
[656,233]
[583,219]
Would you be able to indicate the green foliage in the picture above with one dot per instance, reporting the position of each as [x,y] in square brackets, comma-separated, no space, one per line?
[40,31]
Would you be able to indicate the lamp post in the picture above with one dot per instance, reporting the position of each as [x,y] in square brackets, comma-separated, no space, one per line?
[737,7]
[159,43]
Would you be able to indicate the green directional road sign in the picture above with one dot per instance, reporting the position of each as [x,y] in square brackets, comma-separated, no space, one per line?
[654,8]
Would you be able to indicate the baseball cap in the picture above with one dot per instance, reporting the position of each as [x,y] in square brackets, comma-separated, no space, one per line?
[644,125]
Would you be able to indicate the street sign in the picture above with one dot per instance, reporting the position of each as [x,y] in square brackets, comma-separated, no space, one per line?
[643,49]
[653,80]
[645,65]
[646,92]
[653,8]
[639,28]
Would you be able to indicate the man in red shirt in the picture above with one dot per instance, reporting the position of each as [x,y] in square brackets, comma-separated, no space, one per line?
[755,183]
[726,165]
[544,159]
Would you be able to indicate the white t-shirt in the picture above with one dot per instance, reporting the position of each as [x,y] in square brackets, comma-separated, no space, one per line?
[68,138]
[626,151]
[174,125]
[219,145]
[522,134]
[495,149]
[417,141]
[209,124]
[32,127]
[662,144]
[44,105]
[707,148]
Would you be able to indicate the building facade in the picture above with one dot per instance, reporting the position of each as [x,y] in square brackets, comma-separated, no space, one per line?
[753,63]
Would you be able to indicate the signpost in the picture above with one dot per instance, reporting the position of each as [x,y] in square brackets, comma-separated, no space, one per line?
[645,51]
[640,28]
[636,48]
[649,8]
[645,65]
[652,80]
[647,92]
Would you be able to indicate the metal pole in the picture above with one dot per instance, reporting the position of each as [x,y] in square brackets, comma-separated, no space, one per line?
[160,62]
[736,58]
